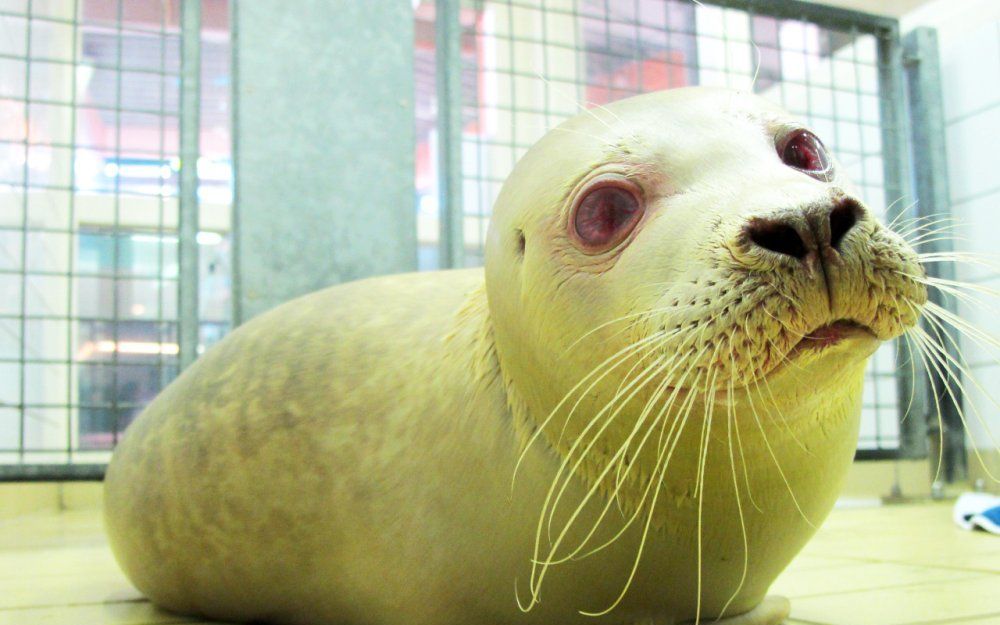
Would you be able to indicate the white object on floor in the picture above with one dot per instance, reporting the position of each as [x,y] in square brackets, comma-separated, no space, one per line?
[977,510]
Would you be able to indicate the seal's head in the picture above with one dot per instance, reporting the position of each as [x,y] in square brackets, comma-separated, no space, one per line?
[705,222]
[682,251]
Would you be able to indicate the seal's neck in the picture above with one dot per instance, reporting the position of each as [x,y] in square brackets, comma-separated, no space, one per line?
[474,334]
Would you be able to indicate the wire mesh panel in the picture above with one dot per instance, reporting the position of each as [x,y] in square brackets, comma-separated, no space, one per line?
[529,64]
[89,161]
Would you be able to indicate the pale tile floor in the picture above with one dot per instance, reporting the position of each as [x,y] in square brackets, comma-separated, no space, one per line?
[895,565]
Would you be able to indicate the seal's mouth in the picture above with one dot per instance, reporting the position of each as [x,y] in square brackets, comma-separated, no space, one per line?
[831,334]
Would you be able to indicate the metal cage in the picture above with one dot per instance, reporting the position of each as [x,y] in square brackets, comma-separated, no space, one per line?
[116,181]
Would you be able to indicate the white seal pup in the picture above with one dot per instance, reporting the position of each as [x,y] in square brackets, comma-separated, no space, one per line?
[667,347]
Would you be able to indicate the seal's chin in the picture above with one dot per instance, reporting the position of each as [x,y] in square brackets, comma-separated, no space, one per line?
[830,335]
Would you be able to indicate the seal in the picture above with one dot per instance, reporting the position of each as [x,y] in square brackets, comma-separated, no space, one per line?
[639,411]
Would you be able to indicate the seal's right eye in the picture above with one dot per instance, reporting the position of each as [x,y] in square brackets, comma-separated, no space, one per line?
[606,213]
[802,150]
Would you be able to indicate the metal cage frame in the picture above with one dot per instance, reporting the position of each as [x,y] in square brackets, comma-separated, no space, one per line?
[909,98]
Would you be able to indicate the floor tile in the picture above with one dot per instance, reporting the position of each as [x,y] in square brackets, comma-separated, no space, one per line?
[922,603]
[861,576]
[135,613]
[892,565]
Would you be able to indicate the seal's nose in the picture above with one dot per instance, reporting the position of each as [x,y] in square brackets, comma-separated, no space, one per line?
[808,233]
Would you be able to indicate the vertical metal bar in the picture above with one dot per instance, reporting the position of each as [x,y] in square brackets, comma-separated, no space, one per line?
[116,232]
[923,73]
[448,63]
[25,188]
[71,367]
[896,167]
[872,372]
[187,220]
[236,277]
[161,333]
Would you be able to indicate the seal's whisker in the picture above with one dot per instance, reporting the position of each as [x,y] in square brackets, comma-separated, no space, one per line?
[583,108]
[545,128]
[901,222]
[622,356]
[539,567]
[743,460]
[730,419]
[619,481]
[565,472]
[604,473]
[913,375]
[983,339]
[621,459]
[615,405]
[622,468]
[920,350]
[615,410]
[936,359]
[922,230]
[904,211]
[918,239]
[664,453]
[706,429]
[576,103]
[935,237]
[781,472]
[782,354]
[791,331]
[746,472]
[649,520]
[955,287]
[548,507]
[938,225]
[707,397]
[673,363]
[758,58]
[941,358]
[774,404]
[944,358]
[644,313]
[900,225]
[966,258]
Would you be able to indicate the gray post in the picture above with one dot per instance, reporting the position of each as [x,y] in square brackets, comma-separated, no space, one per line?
[323,145]
[448,62]
[187,218]
[923,73]
[898,192]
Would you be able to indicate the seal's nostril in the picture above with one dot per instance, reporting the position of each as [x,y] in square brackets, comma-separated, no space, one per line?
[842,219]
[778,237]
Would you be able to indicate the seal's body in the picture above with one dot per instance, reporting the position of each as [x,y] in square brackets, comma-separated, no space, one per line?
[667,346]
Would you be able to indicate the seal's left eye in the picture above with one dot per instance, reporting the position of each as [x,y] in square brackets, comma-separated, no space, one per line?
[608,211]
[802,150]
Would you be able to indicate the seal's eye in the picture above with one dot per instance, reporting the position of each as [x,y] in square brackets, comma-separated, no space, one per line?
[608,210]
[804,151]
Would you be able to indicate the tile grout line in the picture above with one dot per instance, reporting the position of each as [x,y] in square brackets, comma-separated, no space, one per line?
[887,587]
[959,619]
[77,604]
[943,567]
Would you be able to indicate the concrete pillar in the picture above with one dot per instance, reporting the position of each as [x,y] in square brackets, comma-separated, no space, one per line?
[323,146]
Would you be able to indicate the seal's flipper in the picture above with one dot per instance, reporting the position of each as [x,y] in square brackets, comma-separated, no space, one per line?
[773,610]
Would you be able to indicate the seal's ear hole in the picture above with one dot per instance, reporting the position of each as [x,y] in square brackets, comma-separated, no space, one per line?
[520,242]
